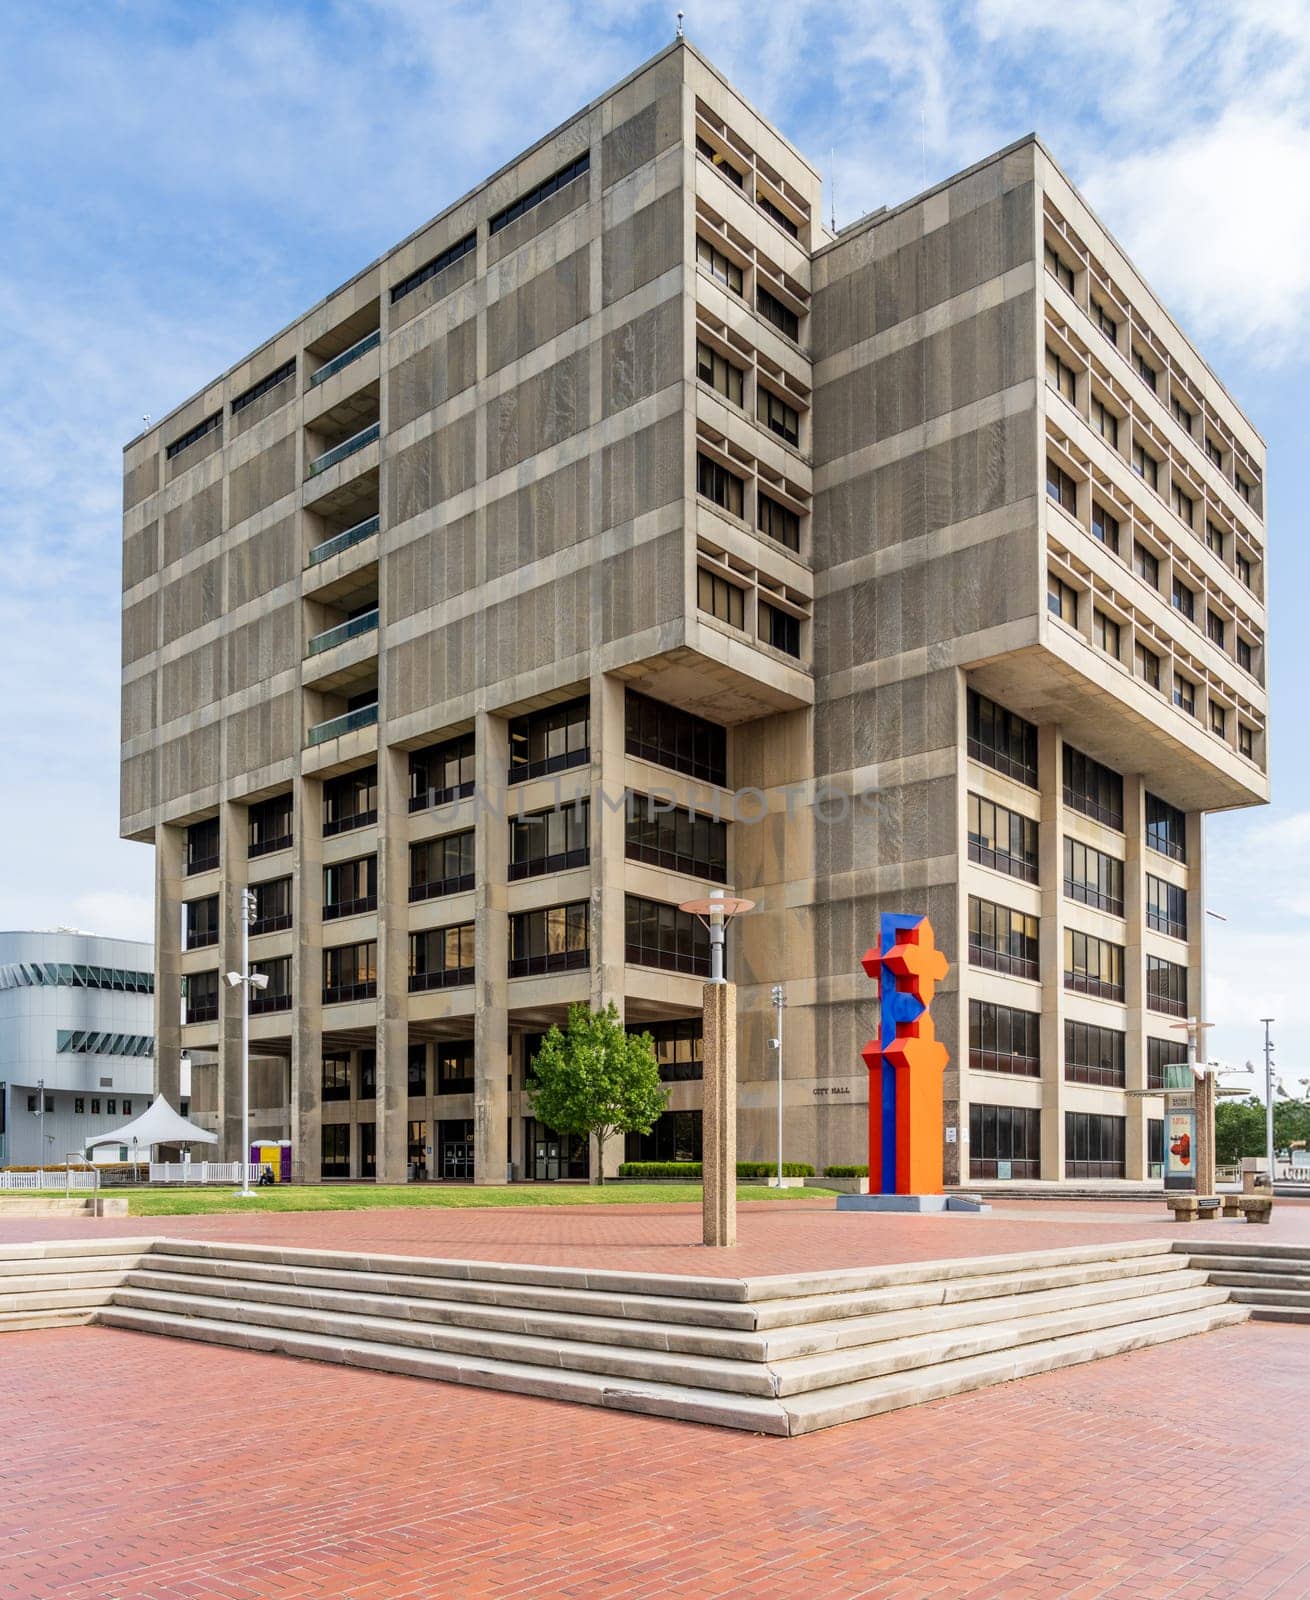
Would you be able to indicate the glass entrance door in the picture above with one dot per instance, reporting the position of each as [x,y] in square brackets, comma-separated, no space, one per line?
[455,1150]
[418,1152]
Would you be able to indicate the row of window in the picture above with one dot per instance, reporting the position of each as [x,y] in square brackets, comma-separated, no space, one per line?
[74,975]
[719,597]
[730,274]
[1008,1039]
[724,163]
[772,410]
[727,489]
[1005,1142]
[1006,742]
[80,1105]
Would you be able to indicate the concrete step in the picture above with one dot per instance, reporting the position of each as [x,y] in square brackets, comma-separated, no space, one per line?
[1274,1294]
[846,1403]
[1248,1243]
[68,1255]
[1266,1313]
[49,1317]
[1271,1281]
[1282,1266]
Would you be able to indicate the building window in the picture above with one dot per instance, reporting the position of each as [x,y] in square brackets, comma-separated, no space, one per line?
[1145,565]
[1145,371]
[1163,1059]
[556,840]
[1243,488]
[111,1107]
[33,1101]
[417,1071]
[718,265]
[717,159]
[1093,966]
[1093,1055]
[1214,628]
[1004,1039]
[780,629]
[350,887]
[336,1077]
[1105,527]
[1059,269]
[679,841]
[276,995]
[127,1108]
[272,905]
[441,773]
[1184,694]
[659,935]
[193,435]
[675,1136]
[368,1075]
[1166,829]
[1002,839]
[541,191]
[1060,376]
[1061,488]
[1005,1142]
[553,939]
[1182,416]
[1062,600]
[1002,939]
[549,741]
[335,1160]
[1166,907]
[1106,424]
[441,866]
[1105,322]
[783,318]
[679,1048]
[1183,504]
[441,958]
[1184,599]
[778,522]
[350,972]
[1146,466]
[202,846]
[95,1107]
[1244,568]
[1246,741]
[1001,739]
[1105,633]
[1214,539]
[202,922]
[201,996]
[454,1066]
[1093,878]
[669,737]
[1096,791]
[269,826]
[1093,1145]
[1218,719]
[778,214]
[720,598]
[715,483]
[1166,986]
[1244,656]
[718,372]
[1146,664]
[447,258]
[350,801]
[777,416]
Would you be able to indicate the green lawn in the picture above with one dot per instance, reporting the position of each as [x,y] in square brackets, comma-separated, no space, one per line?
[174,1202]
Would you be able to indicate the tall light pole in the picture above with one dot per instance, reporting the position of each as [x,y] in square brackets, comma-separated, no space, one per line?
[779,1001]
[1269,1098]
[246,981]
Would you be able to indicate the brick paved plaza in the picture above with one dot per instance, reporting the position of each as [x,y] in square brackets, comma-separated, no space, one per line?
[1178,1471]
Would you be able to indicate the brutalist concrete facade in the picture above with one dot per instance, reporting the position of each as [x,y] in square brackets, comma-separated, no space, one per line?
[626,427]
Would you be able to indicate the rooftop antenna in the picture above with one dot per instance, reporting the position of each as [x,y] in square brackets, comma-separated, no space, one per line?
[145,417]
[679,32]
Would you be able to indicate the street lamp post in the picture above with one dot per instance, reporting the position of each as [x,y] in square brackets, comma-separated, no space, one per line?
[779,1001]
[1269,1099]
[246,981]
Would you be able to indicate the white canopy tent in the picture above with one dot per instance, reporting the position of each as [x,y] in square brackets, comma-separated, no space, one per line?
[158,1124]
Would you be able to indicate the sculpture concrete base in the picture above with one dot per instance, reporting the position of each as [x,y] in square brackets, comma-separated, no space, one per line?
[910,1202]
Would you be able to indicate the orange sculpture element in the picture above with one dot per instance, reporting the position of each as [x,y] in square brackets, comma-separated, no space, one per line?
[918,964]
[919,1061]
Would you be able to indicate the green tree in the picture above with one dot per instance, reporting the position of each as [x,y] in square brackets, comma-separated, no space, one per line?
[1291,1122]
[593,1079]
[1239,1130]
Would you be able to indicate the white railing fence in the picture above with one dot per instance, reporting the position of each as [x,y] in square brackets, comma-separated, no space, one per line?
[203,1171]
[78,1178]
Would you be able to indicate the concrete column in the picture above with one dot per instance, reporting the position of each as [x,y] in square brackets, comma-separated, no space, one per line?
[393,965]
[307,981]
[170,856]
[1205,1104]
[233,848]
[605,931]
[1136,1108]
[719,1207]
[491,951]
[1050,945]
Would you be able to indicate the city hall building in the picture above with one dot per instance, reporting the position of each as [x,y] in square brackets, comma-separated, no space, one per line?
[624,532]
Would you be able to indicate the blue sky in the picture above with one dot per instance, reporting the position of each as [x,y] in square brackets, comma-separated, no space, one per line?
[179,180]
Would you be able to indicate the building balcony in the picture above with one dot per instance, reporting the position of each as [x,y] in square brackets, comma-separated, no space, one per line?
[352,628]
[341,993]
[347,447]
[261,1003]
[351,908]
[550,961]
[361,347]
[447,978]
[348,722]
[345,539]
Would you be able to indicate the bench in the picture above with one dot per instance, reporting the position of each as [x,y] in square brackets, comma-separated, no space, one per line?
[1254,1207]
[1193,1207]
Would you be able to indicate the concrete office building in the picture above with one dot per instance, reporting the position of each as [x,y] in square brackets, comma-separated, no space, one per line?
[76,1041]
[625,476]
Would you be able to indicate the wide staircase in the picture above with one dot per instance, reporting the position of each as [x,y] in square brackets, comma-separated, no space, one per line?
[1271,1280]
[782,1355]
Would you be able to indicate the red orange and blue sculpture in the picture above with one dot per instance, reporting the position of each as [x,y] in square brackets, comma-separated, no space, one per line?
[907,1060]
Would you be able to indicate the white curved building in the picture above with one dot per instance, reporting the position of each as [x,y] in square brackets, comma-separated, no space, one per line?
[76,1040]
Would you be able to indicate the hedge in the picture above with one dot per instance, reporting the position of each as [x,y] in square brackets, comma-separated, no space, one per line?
[692,1169]
[846,1172]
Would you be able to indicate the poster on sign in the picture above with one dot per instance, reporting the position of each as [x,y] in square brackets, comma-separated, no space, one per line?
[1180,1150]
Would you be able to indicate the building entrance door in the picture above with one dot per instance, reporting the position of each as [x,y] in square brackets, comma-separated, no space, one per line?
[455,1150]
[551,1156]
[418,1152]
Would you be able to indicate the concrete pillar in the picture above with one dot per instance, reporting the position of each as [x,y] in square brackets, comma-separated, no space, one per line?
[1050,945]
[307,981]
[1136,1108]
[393,966]
[491,951]
[605,931]
[170,856]
[233,850]
[719,1206]
[1205,1104]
